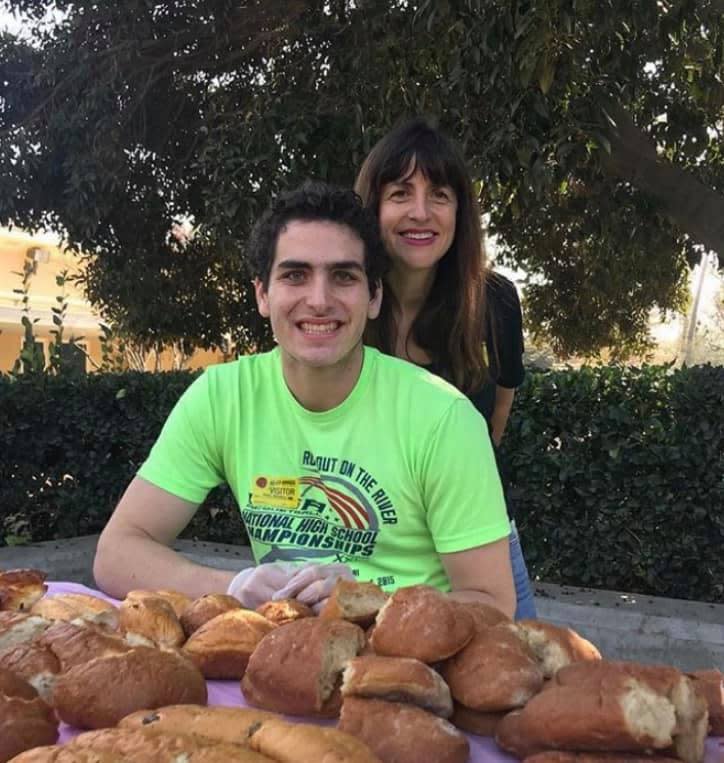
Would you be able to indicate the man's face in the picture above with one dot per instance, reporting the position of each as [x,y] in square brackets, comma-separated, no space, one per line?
[318,299]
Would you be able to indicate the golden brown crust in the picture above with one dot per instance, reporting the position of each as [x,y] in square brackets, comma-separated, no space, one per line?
[397,679]
[219,724]
[558,756]
[354,601]
[66,754]
[296,667]
[284,611]
[290,743]
[421,622]
[152,619]
[710,684]
[476,721]
[35,663]
[25,720]
[20,589]
[554,646]
[179,602]
[205,608]
[400,733]
[74,644]
[73,606]
[484,615]
[496,671]
[221,647]
[100,692]
[19,628]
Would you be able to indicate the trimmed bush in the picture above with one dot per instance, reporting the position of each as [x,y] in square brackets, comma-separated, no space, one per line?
[616,474]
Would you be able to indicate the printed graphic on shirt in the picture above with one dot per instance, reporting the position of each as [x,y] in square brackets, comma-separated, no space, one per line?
[334,510]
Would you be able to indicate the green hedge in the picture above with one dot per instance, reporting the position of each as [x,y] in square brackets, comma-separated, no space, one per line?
[617,475]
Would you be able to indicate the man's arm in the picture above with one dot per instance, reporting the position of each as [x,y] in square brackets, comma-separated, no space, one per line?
[499,419]
[133,549]
[482,574]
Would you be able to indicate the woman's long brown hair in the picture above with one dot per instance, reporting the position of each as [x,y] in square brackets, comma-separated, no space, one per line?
[450,327]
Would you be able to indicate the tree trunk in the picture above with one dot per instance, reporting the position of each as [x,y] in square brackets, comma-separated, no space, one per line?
[696,209]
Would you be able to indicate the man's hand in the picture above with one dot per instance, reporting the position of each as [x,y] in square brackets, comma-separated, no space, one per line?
[313,584]
[256,585]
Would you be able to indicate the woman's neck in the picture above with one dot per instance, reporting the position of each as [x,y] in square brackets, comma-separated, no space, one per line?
[411,290]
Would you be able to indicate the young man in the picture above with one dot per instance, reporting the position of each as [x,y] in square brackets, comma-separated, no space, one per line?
[358,463]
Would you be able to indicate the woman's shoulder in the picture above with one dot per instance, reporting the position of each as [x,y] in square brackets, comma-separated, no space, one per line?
[498,286]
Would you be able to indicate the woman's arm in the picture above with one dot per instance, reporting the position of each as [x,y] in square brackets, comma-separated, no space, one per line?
[503,403]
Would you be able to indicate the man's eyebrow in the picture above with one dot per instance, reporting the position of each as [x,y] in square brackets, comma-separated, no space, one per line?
[304,265]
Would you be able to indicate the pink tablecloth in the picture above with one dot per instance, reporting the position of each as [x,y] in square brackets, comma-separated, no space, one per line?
[228,694]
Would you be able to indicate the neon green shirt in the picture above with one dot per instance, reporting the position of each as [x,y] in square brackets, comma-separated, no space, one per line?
[400,472]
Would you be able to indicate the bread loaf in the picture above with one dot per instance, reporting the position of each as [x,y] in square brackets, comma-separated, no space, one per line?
[25,720]
[296,668]
[284,611]
[555,647]
[178,601]
[496,671]
[476,721]
[101,692]
[400,733]
[18,628]
[136,746]
[73,644]
[205,608]
[151,622]
[354,601]
[34,663]
[20,589]
[397,679]
[292,743]
[77,606]
[710,684]
[557,756]
[484,615]
[65,754]
[423,623]
[218,724]
[221,647]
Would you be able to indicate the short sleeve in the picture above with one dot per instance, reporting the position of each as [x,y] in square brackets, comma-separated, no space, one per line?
[504,332]
[185,460]
[462,491]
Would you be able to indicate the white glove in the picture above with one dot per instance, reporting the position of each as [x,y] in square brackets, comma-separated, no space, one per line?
[255,585]
[313,583]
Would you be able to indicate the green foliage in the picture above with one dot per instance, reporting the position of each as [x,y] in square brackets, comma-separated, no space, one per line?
[618,478]
[617,474]
[595,130]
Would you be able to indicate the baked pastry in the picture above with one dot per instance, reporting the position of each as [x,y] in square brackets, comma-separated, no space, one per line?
[354,601]
[421,622]
[18,628]
[555,647]
[73,643]
[397,679]
[20,589]
[221,647]
[401,733]
[205,608]
[25,720]
[558,756]
[293,742]
[64,753]
[217,724]
[496,671]
[34,663]
[98,693]
[77,606]
[150,622]
[179,602]
[284,611]
[710,683]
[476,721]
[296,668]
[484,615]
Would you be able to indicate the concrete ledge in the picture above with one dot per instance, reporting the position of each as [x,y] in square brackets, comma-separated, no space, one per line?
[687,634]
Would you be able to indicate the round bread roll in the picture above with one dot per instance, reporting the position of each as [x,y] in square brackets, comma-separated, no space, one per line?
[20,589]
[98,693]
[421,622]
[66,754]
[400,733]
[484,615]
[221,647]
[218,724]
[77,606]
[354,601]
[397,679]
[496,671]
[179,602]
[25,720]
[555,647]
[297,667]
[476,721]
[153,620]
[284,611]
[206,608]
[292,742]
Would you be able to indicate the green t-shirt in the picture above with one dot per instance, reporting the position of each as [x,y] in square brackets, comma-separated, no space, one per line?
[401,471]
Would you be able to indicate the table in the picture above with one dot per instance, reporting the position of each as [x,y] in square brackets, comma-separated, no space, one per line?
[228,694]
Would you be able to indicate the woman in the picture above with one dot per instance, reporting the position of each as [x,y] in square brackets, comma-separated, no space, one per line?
[441,305]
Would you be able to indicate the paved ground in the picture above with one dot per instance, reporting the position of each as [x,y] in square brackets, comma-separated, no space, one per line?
[624,626]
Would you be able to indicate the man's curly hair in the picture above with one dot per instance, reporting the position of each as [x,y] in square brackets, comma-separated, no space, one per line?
[315,201]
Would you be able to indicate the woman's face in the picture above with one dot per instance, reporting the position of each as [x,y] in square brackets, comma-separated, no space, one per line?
[417,221]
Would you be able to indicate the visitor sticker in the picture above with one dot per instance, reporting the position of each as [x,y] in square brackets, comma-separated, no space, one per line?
[282,492]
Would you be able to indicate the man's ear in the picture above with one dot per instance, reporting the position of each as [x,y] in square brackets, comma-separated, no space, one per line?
[373,310]
[262,298]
